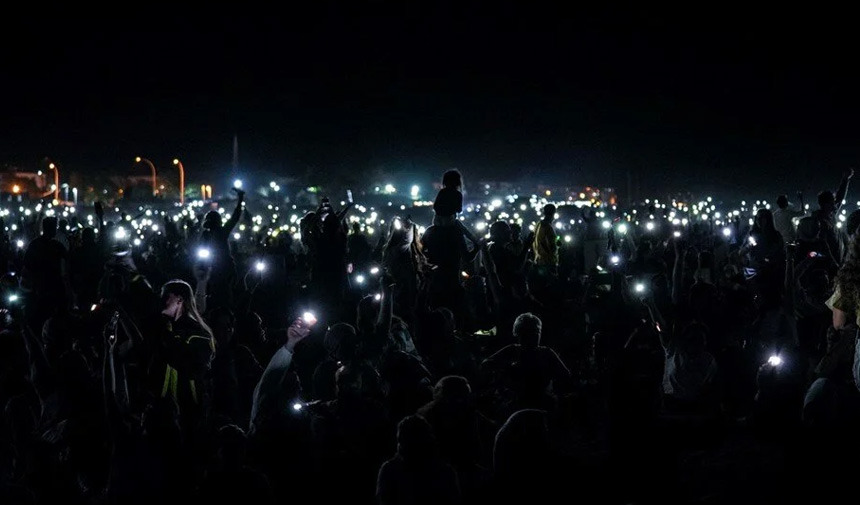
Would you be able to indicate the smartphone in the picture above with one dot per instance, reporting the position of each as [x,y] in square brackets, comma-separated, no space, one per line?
[349,195]
[309,318]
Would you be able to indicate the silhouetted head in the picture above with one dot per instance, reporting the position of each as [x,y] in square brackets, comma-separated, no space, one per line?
[341,341]
[549,211]
[452,179]
[223,325]
[527,330]
[415,439]
[452,389]
[232,445]
[49,227]
[827,201]
[782,201]
[500,232]
[88,236]
[212,220]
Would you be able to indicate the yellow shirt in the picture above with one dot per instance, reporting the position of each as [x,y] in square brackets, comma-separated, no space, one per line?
[837,301]
[546,245]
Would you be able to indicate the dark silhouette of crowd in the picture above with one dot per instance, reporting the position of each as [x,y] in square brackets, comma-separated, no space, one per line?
[620,365]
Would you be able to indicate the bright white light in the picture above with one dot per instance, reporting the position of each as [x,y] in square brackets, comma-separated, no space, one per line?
[677,234]
[480,226]
[237,236]
[414,192]
[649,226]
[374,270]
[568,238]
[727,232]
[640,288]
[237,184]
[155,227]
[377,297]
[496,203]
[389,188]
[20,244]
[559,225]
[297,406]
[752,241]
[120,234]
[309,318]
[615,259]
[13,298]
[93,307]
[260,266]
[774,360]
[359,279]
[204,253]
[622,228]
[137,242]
[607,225]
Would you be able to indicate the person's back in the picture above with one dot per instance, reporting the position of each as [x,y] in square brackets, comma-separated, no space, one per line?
[449,199]
[783,219]
[43,266]
[416,475]
[546,241]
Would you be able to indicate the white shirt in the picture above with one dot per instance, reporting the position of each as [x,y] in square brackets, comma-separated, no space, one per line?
[784,224]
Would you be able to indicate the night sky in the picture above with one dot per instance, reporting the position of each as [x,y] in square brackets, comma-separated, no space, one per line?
[712,100]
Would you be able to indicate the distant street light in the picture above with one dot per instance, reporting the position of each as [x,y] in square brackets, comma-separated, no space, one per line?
[181,181]
[56,188]
[152,167]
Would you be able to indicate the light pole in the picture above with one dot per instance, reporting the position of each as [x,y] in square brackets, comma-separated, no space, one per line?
[56,170]
[152,167]
[181,181]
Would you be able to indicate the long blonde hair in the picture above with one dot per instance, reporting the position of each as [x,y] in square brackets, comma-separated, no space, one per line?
[183,290]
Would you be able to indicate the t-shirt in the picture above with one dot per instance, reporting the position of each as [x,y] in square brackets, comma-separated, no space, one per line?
[43,266]
[449,202]
[837,301]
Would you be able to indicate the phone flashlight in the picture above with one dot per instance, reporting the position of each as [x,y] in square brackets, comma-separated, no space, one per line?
[237,184]
[260,266]
[374,270]
[727,232]
[120,234]
[13,298]
[640,287]
[309,318]
[93,307]
[677,234]
[377,297]
[203,253]
[774,360]
[359,279]
[397,224]
[20,244]
[297,406]
[615,259]
[753,241]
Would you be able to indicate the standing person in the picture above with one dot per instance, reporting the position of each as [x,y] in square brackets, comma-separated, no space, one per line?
[449,203]
[828,206]
[545,246]
[216,237]
[45,276]
[784,215]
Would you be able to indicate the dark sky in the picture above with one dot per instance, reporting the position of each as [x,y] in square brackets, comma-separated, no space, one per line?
[710,100]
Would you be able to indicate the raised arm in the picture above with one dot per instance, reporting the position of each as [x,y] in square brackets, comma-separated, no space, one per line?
[276,370]
[678,273]
[843,187]
[237,213]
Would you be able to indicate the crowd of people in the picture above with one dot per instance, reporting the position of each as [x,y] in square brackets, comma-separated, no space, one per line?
[600,361]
